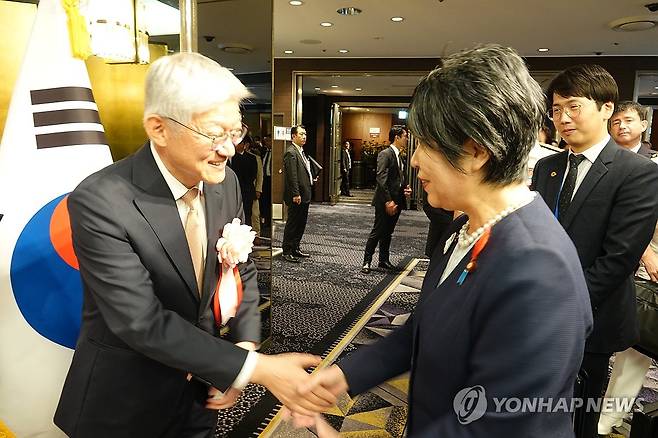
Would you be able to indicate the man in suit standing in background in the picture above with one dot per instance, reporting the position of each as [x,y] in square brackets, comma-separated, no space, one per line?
[389,196]
[345,170]
[602,195]
[149,361]
[266,195]
[298,181]
[245,166]
[627,124]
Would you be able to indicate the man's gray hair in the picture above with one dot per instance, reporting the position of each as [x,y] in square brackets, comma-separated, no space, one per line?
[488,95]
[184,84]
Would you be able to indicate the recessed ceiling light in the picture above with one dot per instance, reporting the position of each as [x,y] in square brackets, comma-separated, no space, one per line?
[343,51]
[656,88]
[397,19]
[654,93]
[349,11]
[296,2]
[358,89]
[317,88]
[334,86]
[543,49]
[231,69]
[326,24]
[288,52]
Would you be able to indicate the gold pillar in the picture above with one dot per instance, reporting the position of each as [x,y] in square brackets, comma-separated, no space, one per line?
[188,25]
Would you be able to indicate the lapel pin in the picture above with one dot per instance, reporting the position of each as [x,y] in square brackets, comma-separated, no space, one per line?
[553,174]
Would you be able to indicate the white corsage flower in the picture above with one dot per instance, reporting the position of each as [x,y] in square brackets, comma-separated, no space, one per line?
[236,243]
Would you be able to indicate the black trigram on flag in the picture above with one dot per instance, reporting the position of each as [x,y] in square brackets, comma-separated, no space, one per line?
[66,116]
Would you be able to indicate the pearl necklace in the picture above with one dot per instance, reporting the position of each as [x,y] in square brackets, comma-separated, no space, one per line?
[465,240]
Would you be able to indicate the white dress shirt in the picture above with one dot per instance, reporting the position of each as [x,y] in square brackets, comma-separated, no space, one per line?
[178,189]
[591,154]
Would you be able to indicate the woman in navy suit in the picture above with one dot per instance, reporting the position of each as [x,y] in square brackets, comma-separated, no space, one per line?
[497,337]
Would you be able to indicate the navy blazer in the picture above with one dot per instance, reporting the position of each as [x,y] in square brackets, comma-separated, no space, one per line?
[611,220]
[144,324]
[511,328]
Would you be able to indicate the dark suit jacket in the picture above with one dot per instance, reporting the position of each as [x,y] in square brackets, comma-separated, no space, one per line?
[610,220]
[144,326]
[509,328]
[390,180]
[646,151]
[245,167]
[297,181]
[345,162]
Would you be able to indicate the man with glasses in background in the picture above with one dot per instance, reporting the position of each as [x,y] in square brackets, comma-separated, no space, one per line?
[149,361]
[600,194]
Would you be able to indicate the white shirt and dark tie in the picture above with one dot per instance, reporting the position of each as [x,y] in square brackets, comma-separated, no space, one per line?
[192,212]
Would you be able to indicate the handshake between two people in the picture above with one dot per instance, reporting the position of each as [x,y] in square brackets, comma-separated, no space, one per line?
[303,395]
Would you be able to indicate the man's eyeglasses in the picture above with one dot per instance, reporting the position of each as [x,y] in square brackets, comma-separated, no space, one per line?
[236,135]
[572,111]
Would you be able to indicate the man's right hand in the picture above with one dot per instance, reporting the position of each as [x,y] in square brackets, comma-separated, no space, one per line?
[391,208]
[284,374]
[297,199]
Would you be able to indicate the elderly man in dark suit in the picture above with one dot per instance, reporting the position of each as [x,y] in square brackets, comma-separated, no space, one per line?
[389,197]
[601,194]
[296,194]
[149,361]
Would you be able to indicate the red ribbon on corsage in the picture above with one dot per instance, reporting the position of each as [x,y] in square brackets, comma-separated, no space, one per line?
[217,308]
[477,249]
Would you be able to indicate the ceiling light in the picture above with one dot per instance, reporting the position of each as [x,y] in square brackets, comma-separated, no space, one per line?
[358,89]
[349,11]
[326,24]
[402,114]
[656,88]
[633,24]
[235,48]
[317,88]
[343,51]
[543,49]
[288,52]
[334,86]
[296,2]
[231,69]
[397,19]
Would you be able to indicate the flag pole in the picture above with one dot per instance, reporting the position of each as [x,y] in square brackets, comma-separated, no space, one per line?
[188,25]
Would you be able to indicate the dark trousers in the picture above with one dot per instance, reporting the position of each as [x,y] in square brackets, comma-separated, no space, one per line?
[381,234]
[295,226]
[192,419]
[345,182]
[247,206]
[265,201]
[596,366]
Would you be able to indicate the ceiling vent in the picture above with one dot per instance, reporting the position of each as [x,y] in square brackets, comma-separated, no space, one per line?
[235,48]
[634,24]
[349,11]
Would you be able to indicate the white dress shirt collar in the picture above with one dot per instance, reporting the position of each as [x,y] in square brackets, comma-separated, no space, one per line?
[177,188]
[593,152]
[636,149]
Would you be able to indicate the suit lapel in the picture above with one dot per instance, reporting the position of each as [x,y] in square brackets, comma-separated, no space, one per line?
[554,177]
[157,205]
[595,173]
[213,202]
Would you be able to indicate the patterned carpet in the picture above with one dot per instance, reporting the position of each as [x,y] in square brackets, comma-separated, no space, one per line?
[381,412]
[315,301]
